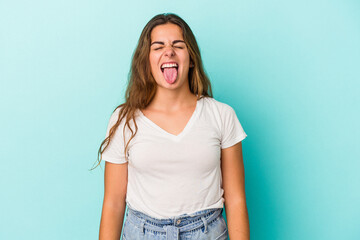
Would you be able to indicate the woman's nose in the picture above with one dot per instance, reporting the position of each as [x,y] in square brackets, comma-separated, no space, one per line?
[169,51]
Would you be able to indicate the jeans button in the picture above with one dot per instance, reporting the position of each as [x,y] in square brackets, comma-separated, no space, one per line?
[178,221]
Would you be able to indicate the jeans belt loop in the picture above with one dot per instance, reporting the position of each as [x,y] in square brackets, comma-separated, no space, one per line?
[205,224]
[142,227]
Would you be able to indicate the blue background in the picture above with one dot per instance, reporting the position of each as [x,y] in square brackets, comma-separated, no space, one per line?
[290,69]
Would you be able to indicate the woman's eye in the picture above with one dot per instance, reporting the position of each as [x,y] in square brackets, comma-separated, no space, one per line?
[162,47]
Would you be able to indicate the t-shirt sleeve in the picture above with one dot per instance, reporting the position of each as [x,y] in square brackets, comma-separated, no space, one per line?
[114,152]
[232,131]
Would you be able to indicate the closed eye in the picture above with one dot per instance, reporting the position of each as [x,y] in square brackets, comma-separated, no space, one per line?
[162,47]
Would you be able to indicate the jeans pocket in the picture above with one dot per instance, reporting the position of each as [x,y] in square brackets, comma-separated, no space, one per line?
[130,231]
[216,229]
[223,221]
[223,227]
[223,236]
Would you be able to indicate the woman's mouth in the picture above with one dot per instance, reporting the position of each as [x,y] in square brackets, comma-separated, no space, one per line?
[170,71]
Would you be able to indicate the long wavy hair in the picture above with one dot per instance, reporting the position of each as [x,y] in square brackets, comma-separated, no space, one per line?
[142,86]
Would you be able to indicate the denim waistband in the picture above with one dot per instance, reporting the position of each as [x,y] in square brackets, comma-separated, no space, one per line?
[182,223]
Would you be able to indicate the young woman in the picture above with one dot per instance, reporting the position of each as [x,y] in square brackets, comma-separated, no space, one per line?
[173,153]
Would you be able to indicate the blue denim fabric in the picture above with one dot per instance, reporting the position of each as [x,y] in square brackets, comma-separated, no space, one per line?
[205,224]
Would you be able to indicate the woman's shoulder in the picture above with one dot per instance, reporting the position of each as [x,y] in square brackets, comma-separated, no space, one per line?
[115,115]
[213,103]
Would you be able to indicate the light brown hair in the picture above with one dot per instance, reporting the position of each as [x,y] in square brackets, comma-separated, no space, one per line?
[142,86]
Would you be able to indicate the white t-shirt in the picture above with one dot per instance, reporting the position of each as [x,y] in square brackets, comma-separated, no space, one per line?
[170,175]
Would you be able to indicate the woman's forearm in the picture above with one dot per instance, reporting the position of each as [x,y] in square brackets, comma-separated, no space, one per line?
[237,221]
[111,220]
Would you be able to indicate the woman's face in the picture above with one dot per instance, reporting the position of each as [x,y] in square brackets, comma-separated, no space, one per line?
[169,56]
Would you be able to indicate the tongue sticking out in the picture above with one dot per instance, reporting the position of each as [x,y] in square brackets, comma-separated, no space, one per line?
[170,74]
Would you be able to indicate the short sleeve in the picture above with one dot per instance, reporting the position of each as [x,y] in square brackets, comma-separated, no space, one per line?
[114,152]
[232,131]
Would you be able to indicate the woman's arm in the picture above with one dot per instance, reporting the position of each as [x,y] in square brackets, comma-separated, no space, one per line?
[233,176]
[115,181]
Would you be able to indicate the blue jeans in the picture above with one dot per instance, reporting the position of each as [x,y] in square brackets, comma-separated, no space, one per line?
[205,224]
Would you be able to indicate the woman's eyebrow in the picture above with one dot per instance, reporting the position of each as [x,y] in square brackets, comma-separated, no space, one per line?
[162,43]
